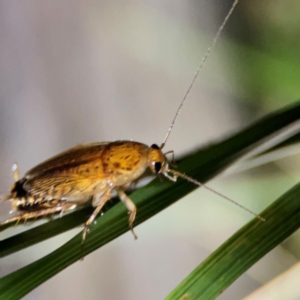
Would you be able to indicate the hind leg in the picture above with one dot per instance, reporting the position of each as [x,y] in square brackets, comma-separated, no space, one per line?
[39,213]
[24,216]
[16,176]
[15,172]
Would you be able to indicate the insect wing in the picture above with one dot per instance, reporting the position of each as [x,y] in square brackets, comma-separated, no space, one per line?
[68,187]
[68,160]
[71,175]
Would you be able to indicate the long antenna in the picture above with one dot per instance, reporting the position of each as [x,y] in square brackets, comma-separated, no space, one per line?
[196,182]
[198,71]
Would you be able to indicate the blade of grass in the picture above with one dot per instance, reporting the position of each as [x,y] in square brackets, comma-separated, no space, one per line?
[151,199]
[293,140]
[242,250]
[207,162]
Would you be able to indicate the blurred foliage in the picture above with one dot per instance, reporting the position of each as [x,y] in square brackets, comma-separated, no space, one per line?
[266,52]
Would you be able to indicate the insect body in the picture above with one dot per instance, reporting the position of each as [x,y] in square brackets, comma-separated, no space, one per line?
[70,178]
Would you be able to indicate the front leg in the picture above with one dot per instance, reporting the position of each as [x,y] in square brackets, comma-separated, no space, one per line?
[130,206]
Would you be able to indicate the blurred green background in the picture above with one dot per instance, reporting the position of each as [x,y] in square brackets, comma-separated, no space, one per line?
[82,71]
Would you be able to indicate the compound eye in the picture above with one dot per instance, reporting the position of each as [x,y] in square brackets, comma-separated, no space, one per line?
[154,146]
[157,167]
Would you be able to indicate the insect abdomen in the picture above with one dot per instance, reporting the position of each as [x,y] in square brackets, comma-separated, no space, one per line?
[24,201]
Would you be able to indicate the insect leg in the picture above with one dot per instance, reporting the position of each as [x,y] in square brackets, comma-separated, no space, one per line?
[16,176]
[100,201]
[15,172]
[43,212]
[130,206]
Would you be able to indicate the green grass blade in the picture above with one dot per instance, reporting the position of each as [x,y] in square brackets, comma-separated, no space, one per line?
[242,250]
[151,199]
[291,141]
[207,163]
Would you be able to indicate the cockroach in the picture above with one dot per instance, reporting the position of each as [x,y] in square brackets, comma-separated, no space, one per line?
[70,178]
